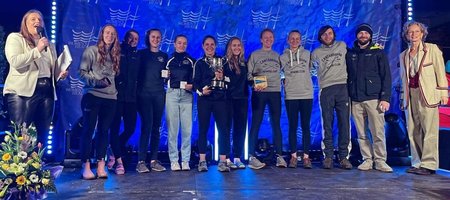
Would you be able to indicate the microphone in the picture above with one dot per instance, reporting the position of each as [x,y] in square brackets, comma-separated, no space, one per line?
[41,33]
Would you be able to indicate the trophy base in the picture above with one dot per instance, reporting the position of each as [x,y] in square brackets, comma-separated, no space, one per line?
[217,85]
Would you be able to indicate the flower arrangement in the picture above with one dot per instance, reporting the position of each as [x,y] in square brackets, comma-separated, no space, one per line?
[22,172]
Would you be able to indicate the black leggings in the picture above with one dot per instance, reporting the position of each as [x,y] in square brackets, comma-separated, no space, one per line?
[219,109]
[259,102]
[96,111]
[126,111]
[151,109]
[293,107]
[238,119]
[37,109]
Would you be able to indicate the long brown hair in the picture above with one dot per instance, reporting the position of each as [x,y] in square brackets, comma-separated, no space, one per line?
[114,49]
[235,61]
[24,30]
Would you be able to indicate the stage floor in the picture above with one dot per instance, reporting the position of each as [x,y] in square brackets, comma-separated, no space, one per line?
[268,183]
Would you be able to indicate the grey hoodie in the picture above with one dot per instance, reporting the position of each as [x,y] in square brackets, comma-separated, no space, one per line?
[296,68]
[330,63]
[265,63]
[92,73]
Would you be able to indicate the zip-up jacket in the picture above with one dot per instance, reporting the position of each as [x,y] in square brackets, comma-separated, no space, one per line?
[126,81]
[203,75]
[238,85]
[181,67]
[369,75]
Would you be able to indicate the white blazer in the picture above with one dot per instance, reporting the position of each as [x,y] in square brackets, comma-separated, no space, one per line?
[23,71]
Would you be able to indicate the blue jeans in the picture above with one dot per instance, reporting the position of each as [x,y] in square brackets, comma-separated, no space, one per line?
[179,109]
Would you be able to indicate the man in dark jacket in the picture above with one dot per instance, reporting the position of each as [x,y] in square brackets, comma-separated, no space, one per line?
[369,85]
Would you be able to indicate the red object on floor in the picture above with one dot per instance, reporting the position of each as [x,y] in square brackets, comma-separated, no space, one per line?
[444,112]
[444,117]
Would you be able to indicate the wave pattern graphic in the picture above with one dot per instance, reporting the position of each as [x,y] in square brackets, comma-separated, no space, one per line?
[192,19]
[75,83]
[381,39]
[263,19]
[335,17]
[120,18]
[222,39]
[167,42]
[82,39]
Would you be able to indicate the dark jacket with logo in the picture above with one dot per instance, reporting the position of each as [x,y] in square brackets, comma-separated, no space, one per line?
[369,75]
[203,75]
[238,85]
[149,77]
[126,81]
[181,67]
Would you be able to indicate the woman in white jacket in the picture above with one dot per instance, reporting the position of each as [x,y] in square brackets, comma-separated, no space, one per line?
[29,86]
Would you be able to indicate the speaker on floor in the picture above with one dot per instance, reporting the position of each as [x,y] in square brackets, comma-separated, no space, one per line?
[72,144]
[444,149]
[397,144]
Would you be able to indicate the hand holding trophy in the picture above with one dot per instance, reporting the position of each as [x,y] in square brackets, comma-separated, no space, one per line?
[216,64]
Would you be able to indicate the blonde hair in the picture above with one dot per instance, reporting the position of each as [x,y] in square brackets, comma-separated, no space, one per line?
[422,27]
[235,61]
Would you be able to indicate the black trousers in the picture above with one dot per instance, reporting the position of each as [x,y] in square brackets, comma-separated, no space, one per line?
[96,111]
[37,109]
[219,110]
[126,111]
[238,122]
[259,102]
[293,108]
[150,108]
[335,98]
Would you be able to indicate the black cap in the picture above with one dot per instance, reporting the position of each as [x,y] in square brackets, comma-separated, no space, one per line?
[364,27]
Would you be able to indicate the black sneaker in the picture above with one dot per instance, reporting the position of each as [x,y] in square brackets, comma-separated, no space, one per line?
[424,171]
[412,170]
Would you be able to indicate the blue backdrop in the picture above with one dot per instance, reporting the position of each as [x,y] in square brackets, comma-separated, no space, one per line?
[83,19]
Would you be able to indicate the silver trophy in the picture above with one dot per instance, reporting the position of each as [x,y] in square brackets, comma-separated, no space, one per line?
[215,65]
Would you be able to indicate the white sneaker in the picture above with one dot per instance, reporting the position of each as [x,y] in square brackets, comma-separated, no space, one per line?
[185,166]
[175,166]
[366,165]
[382,166]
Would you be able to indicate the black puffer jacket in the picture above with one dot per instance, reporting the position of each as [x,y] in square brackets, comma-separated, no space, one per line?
[369,75]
